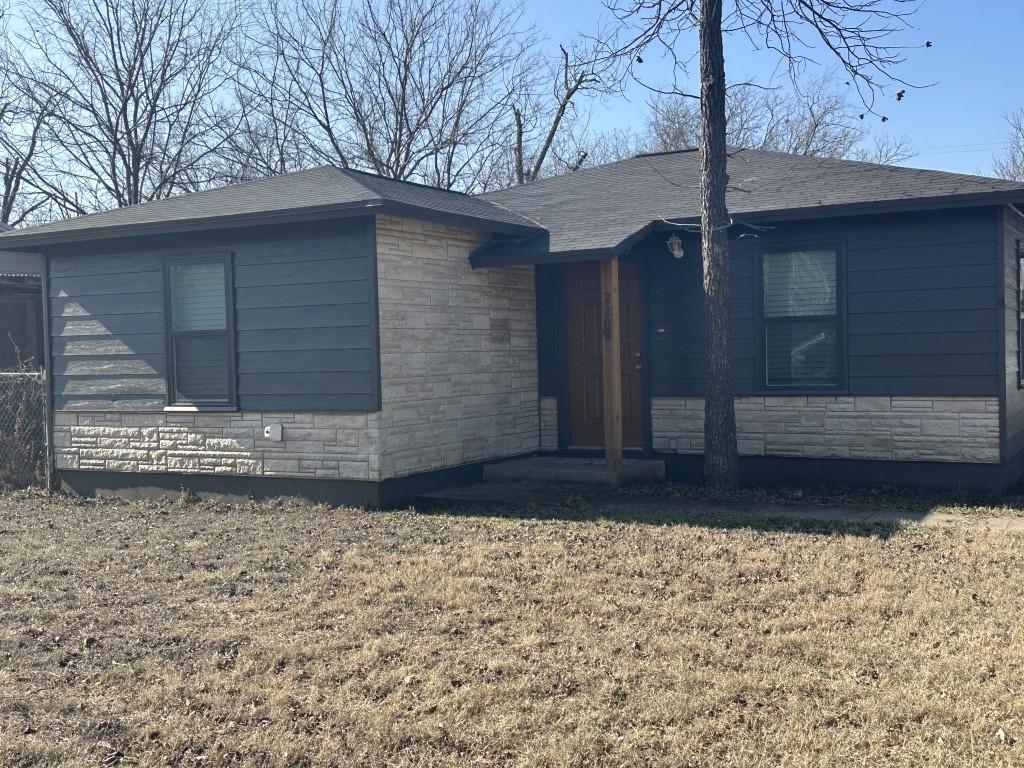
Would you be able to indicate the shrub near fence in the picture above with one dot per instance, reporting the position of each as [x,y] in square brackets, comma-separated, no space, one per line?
[22,429]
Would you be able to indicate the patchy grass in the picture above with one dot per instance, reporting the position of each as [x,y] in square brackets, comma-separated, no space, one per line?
[282,635]
[968,503]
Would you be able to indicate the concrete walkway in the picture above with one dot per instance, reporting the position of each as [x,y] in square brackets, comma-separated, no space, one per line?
[658,508]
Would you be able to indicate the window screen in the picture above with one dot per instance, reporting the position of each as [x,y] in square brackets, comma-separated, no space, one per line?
[200,347]
[801,319]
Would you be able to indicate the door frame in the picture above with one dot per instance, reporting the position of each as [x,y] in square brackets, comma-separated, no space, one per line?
[565,391]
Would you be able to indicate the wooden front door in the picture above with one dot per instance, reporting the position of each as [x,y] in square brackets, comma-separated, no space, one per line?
[586,420]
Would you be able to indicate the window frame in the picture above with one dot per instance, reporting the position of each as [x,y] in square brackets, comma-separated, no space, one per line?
[762,322]
[231,402]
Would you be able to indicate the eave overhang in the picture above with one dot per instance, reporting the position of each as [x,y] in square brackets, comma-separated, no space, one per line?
[506,252]
[36,241]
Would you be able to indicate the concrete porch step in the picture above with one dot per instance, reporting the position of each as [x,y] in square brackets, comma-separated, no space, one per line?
[581,471]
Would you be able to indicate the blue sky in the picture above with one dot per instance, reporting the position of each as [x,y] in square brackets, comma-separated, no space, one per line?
[957,124]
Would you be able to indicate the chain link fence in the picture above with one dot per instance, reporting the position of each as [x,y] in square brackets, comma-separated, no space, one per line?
[22,429]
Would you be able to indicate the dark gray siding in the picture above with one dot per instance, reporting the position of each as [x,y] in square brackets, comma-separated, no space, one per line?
[305,317]
[107,327]
[921,305]
[678,346]
[1013,412]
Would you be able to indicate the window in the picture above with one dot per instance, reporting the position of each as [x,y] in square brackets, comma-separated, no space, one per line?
[20,331]
[800,304]
[201,370]
[1020,313]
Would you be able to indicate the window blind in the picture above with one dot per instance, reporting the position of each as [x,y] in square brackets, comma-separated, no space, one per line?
[198,299]
[799,283]
[800,319]
[201,350]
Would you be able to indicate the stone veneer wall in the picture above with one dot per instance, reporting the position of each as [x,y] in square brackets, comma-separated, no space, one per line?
[458,384]
[549,424]
[888,428]
[315,445]
[458,351]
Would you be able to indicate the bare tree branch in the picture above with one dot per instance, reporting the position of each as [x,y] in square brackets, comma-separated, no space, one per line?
[22,122]
[132,87]
[812,119]
[413,90]
[885,150]
[1010,164]
[862,36]
[577,74]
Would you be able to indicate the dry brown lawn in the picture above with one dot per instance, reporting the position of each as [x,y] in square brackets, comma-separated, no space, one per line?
[282,635]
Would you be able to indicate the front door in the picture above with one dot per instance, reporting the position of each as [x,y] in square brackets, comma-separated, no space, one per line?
[586,420]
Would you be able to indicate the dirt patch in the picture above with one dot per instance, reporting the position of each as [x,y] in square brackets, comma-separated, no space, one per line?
[286,635]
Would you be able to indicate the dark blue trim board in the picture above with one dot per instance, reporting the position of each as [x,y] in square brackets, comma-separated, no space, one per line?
[384,494]
[852,473]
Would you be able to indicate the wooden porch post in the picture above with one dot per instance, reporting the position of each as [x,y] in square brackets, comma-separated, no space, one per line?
[611,357]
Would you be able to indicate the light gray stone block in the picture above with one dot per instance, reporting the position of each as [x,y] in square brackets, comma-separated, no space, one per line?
[458,362]
[887,428]
[220,444]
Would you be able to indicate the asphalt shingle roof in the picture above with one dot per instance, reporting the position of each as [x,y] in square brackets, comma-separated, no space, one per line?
[600,207]
[318,189]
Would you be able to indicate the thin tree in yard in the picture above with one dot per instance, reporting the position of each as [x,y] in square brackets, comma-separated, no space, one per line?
[133,89]
[856,32]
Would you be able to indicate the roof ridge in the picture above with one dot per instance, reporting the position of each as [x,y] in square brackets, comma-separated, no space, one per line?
[584,171]
[194,192]
[410,182]
[476,198]
[663,152]
[12,231]
[738,152]
[509,210]
[870,164]
[233,185]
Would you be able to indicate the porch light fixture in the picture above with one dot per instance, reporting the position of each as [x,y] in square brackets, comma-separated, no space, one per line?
[675,247]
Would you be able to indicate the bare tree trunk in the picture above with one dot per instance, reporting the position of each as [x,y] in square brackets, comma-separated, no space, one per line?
[720,457]
[856,32]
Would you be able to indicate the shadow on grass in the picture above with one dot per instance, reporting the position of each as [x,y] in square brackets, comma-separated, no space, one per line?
[875,511]
[732,515]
